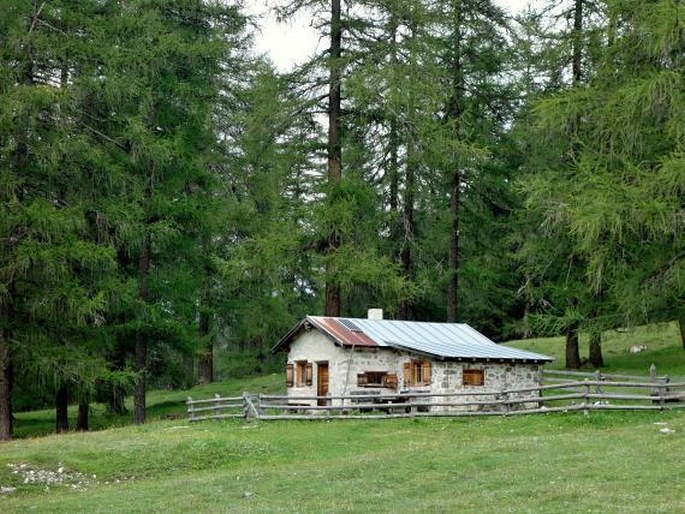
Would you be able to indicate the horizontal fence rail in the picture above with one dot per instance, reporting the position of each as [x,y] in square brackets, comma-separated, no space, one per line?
[563,391]
[216,408]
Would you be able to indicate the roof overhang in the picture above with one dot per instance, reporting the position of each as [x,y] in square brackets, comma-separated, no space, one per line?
[358,333]
[331,327]
[456,358]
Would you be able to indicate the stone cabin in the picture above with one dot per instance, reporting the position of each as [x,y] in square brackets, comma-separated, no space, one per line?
[344,356]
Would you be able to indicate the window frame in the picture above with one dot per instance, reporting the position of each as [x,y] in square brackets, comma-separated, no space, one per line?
[418,373]
[385,379]
[304,372]
[468,374]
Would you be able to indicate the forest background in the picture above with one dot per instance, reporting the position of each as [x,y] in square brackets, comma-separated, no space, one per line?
[167,196]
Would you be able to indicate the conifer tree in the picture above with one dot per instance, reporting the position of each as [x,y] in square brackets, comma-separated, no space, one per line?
[620,197]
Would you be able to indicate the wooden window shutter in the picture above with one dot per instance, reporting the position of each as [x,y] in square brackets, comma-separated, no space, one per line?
[361,379]
[289,375]
[309,373]
[407,374]
[473,377]
[390,381]
[426,372]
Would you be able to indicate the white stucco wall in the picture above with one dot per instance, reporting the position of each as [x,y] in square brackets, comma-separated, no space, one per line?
[345,363]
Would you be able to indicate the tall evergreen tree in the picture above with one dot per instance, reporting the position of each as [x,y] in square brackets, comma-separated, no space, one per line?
[53,267]
[164,116]
[620,197]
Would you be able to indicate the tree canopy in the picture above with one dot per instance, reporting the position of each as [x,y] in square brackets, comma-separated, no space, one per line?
[170,204]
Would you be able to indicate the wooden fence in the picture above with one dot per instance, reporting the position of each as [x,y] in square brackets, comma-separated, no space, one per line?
[563,391]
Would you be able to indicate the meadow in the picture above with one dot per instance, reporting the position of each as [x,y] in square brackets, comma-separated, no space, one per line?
[604,462]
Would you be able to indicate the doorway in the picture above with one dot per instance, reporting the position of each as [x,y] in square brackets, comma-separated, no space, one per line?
[322,382]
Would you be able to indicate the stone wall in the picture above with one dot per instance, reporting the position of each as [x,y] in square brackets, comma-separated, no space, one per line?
[345,363]
[448,378]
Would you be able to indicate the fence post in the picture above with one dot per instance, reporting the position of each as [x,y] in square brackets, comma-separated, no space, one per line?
[662,391]
[598,378]
[191,413]
[586,410]
[504,396]
[246,405]
[653,391]
[258,408]
[217,399]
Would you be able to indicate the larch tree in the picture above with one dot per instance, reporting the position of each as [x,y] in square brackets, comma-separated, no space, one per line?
[162,113]
[53,267]
[348,220]
[621,197]
[568,66]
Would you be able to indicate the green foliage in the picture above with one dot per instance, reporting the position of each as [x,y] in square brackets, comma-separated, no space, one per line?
[161,187]
[619,197]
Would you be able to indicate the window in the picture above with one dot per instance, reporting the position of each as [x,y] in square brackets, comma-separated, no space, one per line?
[377,379]
[417,373]
[299,374]
[473,377]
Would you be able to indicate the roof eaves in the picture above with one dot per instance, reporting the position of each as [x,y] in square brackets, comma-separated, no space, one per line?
[322,327]
[302,325]
[286,338]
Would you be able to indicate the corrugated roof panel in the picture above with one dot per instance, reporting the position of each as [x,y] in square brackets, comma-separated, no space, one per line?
[446,340]
[342,333]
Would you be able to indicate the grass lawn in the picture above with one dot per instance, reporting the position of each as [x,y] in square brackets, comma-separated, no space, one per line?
[664,349]
[604,462]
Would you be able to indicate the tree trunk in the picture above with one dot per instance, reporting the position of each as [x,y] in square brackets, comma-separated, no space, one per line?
[577,70]
[393,168]
[596,360]
[115,403]
[393,133]
[61,406]
[681,323]
[572,349]
[141,336]
[454,113]
[189,379]
[5,387]
[404,311]
[82,418]
[453,287]
[140,381]
[115,392]
[20,163]
[332,307]
[206,364]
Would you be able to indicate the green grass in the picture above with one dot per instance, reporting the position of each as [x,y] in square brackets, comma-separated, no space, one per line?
[160,404]
[664,349]
[613,462]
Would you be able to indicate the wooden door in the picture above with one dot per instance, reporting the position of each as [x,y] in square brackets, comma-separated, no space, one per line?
[322,382]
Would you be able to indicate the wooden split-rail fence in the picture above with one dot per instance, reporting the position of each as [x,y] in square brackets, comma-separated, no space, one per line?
[561,391]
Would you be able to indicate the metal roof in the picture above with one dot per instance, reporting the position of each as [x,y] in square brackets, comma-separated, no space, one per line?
[441,340]
[343,331]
